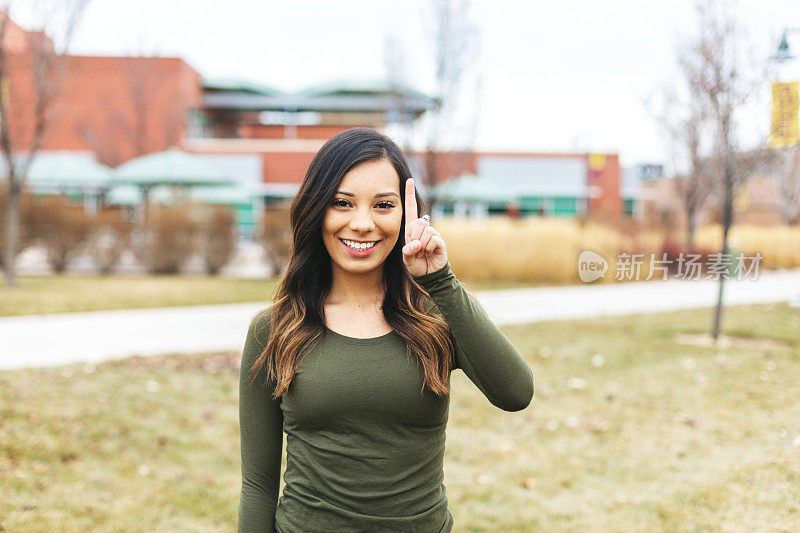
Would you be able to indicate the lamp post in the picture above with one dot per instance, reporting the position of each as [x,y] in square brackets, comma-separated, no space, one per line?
[783,53]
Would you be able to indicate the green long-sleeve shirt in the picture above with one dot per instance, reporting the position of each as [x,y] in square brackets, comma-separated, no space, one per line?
[364,449]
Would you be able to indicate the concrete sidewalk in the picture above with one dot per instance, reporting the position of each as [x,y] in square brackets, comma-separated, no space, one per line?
[46,340]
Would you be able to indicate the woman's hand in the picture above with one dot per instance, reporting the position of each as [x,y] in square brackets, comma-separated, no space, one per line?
[424,251]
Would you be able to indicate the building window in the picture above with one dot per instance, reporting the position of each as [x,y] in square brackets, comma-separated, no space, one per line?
[628,206]
[565,206]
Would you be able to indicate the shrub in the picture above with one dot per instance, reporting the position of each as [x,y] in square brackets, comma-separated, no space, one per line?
[166,240]
[62,228]
[218,238]
[679,256]
[111,234]
[275,235]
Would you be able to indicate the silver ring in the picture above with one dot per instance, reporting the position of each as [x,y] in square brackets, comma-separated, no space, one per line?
[427,218]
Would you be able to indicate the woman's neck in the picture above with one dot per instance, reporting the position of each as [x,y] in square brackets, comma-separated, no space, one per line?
[356,290]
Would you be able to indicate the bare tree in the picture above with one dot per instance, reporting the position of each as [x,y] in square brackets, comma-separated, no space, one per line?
[146,84]
[394,61]
[57,22]
[149,99]
[275,235]
[716,72]
[455,47]
[685,121]
[758,160]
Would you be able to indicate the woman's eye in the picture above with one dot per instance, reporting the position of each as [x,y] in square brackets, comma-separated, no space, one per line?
[339,202]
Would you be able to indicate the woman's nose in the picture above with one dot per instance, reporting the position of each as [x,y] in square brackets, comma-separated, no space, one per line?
[361,220]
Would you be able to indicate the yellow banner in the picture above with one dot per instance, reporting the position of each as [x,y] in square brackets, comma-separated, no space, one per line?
[597,161]
[784,115]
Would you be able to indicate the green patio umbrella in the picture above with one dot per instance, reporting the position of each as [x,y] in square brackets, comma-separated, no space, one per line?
[68,169]
[222,195]
[131,195]
[172,167]
[63,171]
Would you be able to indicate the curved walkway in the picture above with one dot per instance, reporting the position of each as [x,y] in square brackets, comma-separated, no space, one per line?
[46,340]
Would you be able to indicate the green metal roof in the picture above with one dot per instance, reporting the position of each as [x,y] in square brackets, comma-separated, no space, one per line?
[68,169]
[361,87]
[396,102]
[334,88]
[172,166]
[235,85]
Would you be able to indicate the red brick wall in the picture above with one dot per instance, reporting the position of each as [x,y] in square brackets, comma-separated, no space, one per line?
[450,164]
[604,172]
[286,167]
[19,98]
[18,83]
[122,107]
[16,39]
[117,107]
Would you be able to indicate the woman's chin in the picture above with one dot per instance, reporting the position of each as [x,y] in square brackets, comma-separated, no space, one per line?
[359,265]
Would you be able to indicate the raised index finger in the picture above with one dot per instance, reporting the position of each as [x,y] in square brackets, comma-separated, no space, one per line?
[411,206]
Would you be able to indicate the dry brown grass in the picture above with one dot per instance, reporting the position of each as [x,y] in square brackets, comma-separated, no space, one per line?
[546,250]
[628,431]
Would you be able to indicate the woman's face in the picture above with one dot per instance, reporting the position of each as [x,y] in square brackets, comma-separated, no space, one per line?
[366,209]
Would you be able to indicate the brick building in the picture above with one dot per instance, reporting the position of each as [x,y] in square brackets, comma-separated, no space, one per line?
[117,108]
[114,107]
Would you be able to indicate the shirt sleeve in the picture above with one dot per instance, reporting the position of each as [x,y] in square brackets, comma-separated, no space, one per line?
[261,428]
[483,352]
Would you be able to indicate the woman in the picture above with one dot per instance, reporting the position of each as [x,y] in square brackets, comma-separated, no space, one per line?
[367,325]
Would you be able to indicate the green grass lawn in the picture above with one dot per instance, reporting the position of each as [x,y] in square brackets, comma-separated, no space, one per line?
[71,293]
[628,431]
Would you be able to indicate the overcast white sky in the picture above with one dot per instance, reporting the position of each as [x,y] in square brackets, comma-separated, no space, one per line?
[556,75]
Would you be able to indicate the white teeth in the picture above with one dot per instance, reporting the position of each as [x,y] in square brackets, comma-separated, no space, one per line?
[357,245]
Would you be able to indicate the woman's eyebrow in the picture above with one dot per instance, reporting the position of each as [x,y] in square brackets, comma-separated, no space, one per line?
[379,195]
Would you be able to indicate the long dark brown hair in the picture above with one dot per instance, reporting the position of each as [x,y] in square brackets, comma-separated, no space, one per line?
[297,314]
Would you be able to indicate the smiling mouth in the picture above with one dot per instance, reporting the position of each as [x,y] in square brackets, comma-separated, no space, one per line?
[359,246]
